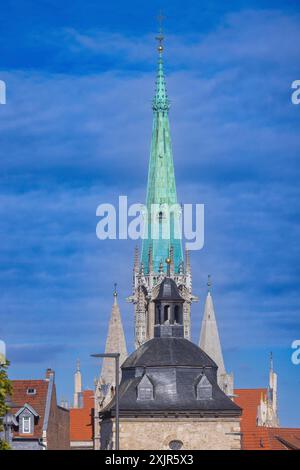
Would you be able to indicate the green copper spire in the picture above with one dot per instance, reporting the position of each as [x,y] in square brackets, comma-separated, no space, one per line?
[161,189]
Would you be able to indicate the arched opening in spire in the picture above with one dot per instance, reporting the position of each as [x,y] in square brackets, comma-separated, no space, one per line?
[177,315]
[157,315]
[166,313]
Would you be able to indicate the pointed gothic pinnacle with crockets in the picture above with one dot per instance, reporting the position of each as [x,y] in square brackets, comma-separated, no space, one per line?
[209,336]
[115,343]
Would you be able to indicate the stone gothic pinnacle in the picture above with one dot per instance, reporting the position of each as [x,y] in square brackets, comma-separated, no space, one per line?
[209,336]
[210,342]
[115,342]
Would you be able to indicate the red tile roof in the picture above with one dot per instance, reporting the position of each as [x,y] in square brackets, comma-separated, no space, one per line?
[81,419]
[258,437]
[284,438]
[38,401]
[253,437]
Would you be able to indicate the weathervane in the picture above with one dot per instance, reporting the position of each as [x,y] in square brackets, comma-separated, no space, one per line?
[160,36]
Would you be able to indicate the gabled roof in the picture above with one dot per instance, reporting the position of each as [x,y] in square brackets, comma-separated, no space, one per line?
[37,402]
[252,436]
[202,381]
[28,407]
[258,437]
[145,380]
[284,438]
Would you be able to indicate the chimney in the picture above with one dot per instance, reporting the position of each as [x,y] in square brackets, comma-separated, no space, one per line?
[49,373]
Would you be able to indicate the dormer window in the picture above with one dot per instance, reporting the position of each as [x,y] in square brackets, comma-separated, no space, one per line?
[204,389]
[27,417]
[31,391]
[26,425]
[145,389]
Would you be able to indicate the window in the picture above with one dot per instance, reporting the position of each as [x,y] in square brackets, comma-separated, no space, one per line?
[31,391]
[145,393]
[166,313]
[204,389]
[26,424]
[177,314]
[145,389]
[157,315]
[175,445]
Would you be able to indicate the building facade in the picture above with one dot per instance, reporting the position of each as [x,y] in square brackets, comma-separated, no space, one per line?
[169,396]
[39,423]
[82,422]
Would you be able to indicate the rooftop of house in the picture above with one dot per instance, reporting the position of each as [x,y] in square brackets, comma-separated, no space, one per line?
[81,419]
[258,437]
[33,393]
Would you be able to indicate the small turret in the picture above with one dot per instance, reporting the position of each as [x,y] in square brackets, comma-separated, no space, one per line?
[168,310]
[77,386]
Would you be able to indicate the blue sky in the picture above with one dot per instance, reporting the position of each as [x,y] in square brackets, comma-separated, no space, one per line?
[75,132]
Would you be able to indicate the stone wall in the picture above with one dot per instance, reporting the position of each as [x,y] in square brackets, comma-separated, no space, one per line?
[157,433]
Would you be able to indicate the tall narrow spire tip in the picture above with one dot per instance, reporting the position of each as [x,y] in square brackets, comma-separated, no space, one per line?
[271,361]
[115,294]
[209,283]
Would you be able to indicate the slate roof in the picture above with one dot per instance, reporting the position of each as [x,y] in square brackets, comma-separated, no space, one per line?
[168,290]
[169,352]
[174,366]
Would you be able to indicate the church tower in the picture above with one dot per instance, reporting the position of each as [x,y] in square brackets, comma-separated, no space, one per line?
[162,239]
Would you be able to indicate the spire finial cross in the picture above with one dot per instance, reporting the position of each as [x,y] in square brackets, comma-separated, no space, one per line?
[115,289]
[160,36]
